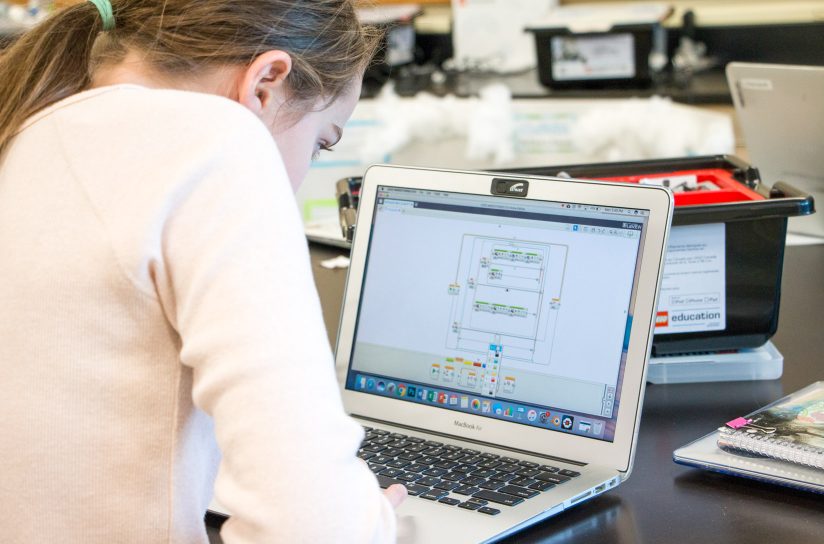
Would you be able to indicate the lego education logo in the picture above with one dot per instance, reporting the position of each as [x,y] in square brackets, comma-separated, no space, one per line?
[695,316]
[694,319]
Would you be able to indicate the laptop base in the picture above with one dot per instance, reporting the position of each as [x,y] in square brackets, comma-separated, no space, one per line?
[422,520]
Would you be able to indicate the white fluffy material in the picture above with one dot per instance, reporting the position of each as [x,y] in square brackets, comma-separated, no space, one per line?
[651,128]
[486,123]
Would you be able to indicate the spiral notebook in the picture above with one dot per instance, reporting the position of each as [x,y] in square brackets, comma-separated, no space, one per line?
[791,429]
[782,443]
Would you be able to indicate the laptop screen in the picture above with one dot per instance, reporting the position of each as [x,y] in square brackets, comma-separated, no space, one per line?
[513,309]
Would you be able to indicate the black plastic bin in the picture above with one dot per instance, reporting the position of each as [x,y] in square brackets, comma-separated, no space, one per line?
[755,234]
[755,240]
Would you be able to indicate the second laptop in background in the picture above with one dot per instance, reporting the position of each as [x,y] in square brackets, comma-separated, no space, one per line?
[781,112]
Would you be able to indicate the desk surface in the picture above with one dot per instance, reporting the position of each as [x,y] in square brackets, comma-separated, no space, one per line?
[665,502]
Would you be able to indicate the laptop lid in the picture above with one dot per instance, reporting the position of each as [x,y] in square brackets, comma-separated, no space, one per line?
[513,311]
[781,112]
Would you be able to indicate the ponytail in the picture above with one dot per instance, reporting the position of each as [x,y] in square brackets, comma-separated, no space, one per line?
[45,65]
[181,38]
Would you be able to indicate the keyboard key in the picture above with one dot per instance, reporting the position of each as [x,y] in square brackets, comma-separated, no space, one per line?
[446,464]
[398,463]
[502,477]
[489,511]
[415,439]
[464,468]
[523,482]
[380,432]
[528,464]
[416,448]
[510,467]
[449,501]
[553,478]
[509,460]
[490,456]
[392,452]
[500,498]
[474,459]
[447,486]
[490,463]
[366,455]
[400,444]
[433,444]
[410,455]
[416,467]
[542,486]
[570,473]
[473,480]
[367,429]
[382,441]
[522,492]
[376,468]
[428,460]
[397,436]
[385,481]
[454,456]
[471,452]
[483,473]
[409,477]
[453,476]
[428,481]
[466,490]
[492,484]
[375,448]
[434,452]
[414,489]
[435,471]
[528,472]
[480,502]
[549,468]
[452,447]
[469,505]
[391,472]
[434,494]
[380,460]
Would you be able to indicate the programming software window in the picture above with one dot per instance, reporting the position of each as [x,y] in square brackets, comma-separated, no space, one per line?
[463,295]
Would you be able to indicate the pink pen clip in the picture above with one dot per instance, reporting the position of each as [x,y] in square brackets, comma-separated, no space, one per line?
[738,422]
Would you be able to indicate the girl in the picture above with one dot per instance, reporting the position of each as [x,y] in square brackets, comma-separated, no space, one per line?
[156,299]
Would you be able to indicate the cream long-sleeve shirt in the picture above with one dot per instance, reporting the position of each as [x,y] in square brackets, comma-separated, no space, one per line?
[156,302]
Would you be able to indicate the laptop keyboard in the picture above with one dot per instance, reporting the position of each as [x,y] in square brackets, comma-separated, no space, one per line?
[456,476]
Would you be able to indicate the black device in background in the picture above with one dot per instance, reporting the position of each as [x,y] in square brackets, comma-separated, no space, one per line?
[630,66]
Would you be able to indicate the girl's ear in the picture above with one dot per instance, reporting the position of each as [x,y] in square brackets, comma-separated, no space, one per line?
[262,86]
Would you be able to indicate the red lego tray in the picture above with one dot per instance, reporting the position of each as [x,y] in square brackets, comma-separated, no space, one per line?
[695,187]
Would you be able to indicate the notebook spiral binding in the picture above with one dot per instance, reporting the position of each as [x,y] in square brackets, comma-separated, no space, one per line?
[761,443]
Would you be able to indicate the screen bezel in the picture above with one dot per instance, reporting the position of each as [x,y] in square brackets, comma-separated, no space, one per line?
[616,454]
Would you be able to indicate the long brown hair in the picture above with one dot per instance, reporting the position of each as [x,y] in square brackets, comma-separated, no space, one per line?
[329,47]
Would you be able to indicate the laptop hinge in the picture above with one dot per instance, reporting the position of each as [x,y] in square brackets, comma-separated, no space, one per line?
[473,441]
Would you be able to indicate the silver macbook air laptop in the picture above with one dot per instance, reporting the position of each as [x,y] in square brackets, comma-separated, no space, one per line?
[494,340]
[781,112]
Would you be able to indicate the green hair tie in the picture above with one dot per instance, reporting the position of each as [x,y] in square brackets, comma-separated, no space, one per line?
[106,13]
